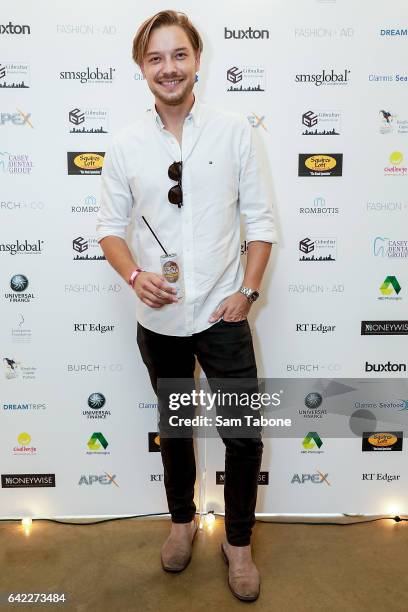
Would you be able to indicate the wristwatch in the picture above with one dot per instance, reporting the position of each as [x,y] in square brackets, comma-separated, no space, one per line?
[251,294]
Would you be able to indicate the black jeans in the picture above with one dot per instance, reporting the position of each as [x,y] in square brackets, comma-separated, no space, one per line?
[224,350]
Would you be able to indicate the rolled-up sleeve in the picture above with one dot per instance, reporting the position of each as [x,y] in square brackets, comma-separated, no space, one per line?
[253,201]
[116,198]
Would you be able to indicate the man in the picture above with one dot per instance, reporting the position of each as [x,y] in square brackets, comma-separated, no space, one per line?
[193,208]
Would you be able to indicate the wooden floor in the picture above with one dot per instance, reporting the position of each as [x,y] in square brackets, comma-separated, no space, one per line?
[115,567]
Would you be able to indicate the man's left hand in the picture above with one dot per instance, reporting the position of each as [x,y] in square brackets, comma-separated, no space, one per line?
[233,308]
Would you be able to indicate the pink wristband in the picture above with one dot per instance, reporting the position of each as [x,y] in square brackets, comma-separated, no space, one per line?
[132,278]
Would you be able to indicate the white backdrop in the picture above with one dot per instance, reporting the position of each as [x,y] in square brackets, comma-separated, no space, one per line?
[55,357]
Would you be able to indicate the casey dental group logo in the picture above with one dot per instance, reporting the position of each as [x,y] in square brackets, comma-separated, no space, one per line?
[389,248]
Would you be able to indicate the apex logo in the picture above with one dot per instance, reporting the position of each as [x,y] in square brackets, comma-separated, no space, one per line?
[249,33]
[317,478]
[103,479]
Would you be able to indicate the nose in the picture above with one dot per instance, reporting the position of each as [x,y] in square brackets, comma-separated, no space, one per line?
[169,65]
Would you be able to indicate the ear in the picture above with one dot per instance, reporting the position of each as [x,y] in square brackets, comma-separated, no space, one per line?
[197,61]
[142,69]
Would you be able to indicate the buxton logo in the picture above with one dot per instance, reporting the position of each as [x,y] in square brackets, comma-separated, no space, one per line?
[382,441]
[85,163]
[385,367]
[324,78]
[249,33]
[10,28]
[320,164]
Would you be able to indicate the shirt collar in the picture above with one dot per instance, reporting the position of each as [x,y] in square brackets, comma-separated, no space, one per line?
[194,115]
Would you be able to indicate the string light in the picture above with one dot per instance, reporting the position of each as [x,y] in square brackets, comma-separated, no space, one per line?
[27,524]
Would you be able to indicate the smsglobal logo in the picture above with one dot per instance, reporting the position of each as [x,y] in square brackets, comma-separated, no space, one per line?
[89,75]
[249,33]
[324,77]
[26,248]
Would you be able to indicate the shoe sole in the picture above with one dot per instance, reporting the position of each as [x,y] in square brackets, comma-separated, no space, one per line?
[237,595]
[177,570]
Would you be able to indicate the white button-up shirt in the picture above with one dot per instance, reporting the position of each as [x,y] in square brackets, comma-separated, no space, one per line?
[220,180]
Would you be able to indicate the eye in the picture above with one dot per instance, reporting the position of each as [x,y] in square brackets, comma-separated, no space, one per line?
[154,59]
[181,54]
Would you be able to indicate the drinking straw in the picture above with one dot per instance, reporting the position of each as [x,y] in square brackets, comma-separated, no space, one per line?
[165,252]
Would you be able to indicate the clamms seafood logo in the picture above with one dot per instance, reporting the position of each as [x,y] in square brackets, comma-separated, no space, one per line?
[320,164]
[15,75]
[246,78]
[25,248]
[14,369]
[382,441]
[80,245]
[85,163]
[321,123]
[324,78]
[89,75]
[15,163]
[318,248]
[390,124]
[396,168]
[313,402]
[88,121]
[24,440]
[19,284]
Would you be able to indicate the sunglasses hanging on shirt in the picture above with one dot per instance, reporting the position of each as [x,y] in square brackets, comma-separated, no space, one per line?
[175,194]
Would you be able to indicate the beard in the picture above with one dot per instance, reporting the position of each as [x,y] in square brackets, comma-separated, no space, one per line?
[173,98]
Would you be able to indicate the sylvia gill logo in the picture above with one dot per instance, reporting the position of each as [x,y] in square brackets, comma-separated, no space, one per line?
[325,77]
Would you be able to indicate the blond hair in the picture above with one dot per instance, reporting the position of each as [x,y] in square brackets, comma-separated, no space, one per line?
[164,18]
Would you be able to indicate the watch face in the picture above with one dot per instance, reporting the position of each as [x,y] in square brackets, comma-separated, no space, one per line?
[255,295]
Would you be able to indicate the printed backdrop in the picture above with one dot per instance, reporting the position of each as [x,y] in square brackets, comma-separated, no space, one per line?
[324,85]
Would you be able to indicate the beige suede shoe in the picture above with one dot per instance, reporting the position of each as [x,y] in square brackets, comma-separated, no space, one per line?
[243,576]
[177,549]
